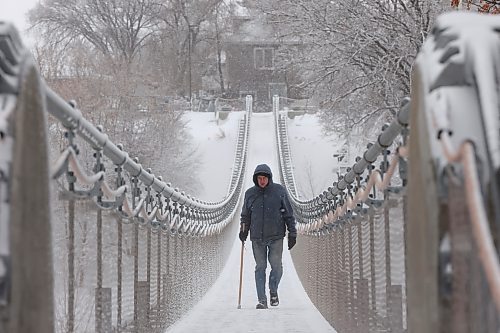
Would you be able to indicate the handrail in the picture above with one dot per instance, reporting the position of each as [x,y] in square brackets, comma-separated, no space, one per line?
[465,154]
[73,119]
[218,212]
[334,198]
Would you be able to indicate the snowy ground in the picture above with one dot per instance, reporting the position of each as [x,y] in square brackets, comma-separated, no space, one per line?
[217,312]
[215,141]
[315,166]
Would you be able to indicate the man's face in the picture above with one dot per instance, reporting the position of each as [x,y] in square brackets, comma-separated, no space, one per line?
[262,181]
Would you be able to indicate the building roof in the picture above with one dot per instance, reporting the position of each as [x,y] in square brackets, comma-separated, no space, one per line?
[248,29]
[255,30]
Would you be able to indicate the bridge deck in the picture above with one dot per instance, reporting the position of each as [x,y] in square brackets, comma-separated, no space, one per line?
[217,312]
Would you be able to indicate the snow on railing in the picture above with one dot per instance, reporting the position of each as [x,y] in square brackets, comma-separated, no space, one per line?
[349,193]
[453,197]
[425,255]
[343,254]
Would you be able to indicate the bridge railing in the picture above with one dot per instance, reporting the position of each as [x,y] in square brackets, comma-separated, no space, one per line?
[26,284]
[350,256]
[124,251]
[420,252]
[453,187]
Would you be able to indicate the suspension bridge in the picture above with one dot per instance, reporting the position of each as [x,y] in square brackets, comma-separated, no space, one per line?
[406,240]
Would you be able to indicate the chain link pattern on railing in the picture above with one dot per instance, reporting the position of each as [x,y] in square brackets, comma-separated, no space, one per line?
[186,210]
[137,278]
[354,271]
[163,249]
[351,256]
[345,194]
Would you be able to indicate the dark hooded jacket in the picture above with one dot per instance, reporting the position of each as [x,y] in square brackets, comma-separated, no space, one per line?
[267,211]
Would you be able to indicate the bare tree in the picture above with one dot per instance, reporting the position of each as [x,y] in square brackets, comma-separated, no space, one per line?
[98,53]
[356,56]
[218,43]
[118,28]
[186,25]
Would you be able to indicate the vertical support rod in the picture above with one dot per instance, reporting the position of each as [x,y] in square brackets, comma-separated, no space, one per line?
[136,276]
[99,298]
[387,241]
[71,265]
[119,258]
[345,323]
[148,273]
[119,275]
[351,307]
[70,134]
[136,256]
[158,276]
[99,305]
[373,283]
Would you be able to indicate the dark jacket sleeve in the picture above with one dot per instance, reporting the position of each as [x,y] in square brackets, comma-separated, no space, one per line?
[288,216]
[245,217]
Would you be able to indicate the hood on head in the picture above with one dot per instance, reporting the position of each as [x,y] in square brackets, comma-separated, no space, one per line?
[262,169]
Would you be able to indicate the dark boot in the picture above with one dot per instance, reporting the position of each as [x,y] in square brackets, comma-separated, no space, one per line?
[274,299]
[261,305]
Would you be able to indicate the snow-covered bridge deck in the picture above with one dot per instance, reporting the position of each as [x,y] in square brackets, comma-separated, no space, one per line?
[217,312]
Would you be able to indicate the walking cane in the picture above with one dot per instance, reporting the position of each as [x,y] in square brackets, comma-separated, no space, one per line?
[241,274]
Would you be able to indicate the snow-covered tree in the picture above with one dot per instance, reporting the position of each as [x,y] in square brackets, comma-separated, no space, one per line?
[118,28]
[167,37]
[103,55]
[186,30]
[356,56]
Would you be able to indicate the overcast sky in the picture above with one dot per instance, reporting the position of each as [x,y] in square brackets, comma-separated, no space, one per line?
[14,11]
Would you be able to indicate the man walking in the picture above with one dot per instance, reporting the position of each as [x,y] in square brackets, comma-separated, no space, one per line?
[267,213]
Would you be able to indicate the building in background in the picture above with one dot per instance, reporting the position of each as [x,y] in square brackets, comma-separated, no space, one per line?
[252,62]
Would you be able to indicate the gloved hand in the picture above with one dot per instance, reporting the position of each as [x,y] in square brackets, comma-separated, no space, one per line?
[243,232]
[291,242]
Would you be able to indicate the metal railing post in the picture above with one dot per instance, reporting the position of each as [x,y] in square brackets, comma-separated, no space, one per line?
[158,305]
[30,303]
[70,310]
[135,191]
[249,104]
[351,298]
[373,282]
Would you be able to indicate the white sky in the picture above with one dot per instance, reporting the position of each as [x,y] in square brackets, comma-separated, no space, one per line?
[313,161]
[15,11]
